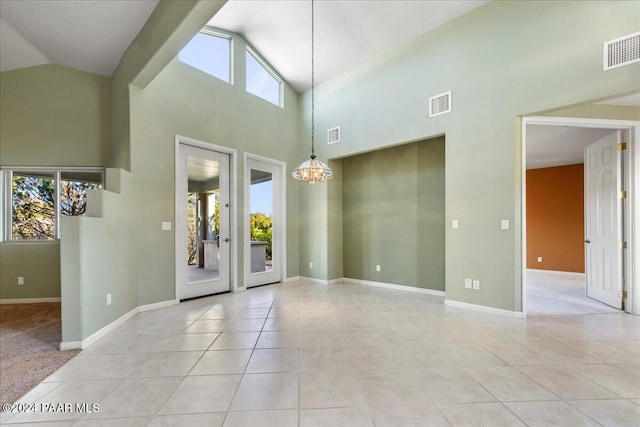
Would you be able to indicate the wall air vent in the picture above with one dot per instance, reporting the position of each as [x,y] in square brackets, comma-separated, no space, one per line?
[621,51]
[440,104]
[333,135]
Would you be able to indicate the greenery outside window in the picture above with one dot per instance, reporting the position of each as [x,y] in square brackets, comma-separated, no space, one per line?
[209,52]
[261,80]
[35,198]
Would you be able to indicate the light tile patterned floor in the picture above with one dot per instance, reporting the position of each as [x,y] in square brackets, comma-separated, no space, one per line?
[303,354]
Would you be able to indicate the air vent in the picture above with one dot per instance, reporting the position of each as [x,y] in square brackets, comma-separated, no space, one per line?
[440,104]
[621,51]
[333,135]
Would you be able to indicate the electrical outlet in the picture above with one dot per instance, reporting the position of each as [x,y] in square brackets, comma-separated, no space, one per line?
[476,285]
[108,299]
[504,224]
[377,267]
[166,226]
[455,224]
[467,283]
[311,264]
[20,280]
[539,259]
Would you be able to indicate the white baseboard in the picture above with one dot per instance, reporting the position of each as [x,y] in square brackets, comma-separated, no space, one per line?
[404,288]
[72,345]
[292,279]
[28,300]
[313,280]
[484,309]
[559,273]
[157,305]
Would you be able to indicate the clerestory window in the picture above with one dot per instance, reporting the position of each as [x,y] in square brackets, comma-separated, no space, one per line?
[209,52]
[261,80]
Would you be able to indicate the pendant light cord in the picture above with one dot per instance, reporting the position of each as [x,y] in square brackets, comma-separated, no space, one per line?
[313,124]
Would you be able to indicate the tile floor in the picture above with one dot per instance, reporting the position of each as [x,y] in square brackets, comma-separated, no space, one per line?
[303,354]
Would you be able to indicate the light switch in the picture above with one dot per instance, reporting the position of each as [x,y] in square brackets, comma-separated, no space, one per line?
[476,284]
[166,226]
[455,224]
[504,224]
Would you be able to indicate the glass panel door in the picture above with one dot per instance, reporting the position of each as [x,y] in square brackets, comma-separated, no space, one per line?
[264,222]
[203,223]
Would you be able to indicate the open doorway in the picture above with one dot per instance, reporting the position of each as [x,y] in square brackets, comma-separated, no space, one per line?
[562,272]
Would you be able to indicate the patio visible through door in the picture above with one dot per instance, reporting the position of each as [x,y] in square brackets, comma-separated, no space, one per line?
[202,222]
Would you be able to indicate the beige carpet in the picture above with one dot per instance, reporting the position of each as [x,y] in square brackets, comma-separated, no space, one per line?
[29,347]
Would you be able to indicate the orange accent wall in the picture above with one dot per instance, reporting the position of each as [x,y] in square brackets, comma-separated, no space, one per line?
[555,218]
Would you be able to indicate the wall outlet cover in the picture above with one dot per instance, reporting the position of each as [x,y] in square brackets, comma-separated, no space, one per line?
[166,226]
[455,224]
[310,264]
[20,280]
[504,224]
[467,283]
[377,267]
[539,259]
[476,284]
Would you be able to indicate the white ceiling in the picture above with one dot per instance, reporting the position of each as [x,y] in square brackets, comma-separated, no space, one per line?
[550,146]
[347,32]
[628,101]
[86,35]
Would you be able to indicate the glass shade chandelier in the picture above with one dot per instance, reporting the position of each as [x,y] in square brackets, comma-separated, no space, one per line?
[312,170]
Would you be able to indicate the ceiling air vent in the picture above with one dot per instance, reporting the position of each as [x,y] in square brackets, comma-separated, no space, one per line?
[440,104]
[333,135]
[621,51]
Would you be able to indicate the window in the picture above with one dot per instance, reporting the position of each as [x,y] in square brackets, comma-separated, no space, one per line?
[37,197]
[261,80]
[209,52]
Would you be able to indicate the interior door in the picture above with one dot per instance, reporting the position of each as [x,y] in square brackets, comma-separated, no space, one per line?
[202,222]
[603,220]
[264,222]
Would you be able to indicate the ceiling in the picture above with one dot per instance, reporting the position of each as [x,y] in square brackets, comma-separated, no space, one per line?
[550,146]
[80,34]
[72,33]
[347,32]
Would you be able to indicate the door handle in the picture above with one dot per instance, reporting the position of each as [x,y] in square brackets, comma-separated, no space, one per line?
[587,241]
[226,240]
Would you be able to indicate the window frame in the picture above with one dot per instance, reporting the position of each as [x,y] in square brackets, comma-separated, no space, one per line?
[255,55]
[6,193]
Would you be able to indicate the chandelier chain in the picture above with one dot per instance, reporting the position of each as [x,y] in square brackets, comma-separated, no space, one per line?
[313,124]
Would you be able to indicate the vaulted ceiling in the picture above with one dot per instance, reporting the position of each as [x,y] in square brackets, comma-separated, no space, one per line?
[93,35]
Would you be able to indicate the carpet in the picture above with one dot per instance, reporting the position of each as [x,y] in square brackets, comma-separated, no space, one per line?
[30,336]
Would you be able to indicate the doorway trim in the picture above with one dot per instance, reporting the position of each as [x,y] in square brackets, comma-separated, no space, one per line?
[233,211]
[631,210]
[282,208]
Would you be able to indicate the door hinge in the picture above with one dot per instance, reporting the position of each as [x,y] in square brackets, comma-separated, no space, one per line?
[622,146]
[622,245]
[623,194]
[622,294]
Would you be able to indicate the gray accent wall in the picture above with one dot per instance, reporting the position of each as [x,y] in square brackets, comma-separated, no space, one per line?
[394,216]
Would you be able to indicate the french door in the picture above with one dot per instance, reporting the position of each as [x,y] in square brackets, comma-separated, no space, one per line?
[264,221]
[202,222]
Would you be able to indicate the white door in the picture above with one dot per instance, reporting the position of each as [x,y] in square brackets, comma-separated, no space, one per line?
[603,220]
[202,222]
[264,221]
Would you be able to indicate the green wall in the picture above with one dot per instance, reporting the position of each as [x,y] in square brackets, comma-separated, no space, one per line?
[49,116]
[38,263]
[54,116]
[98,257]
[393,209]
[501,61]
[184,101]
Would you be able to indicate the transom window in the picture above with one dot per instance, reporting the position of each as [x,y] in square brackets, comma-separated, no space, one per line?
[262,80]
[35,198]
[209,52]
